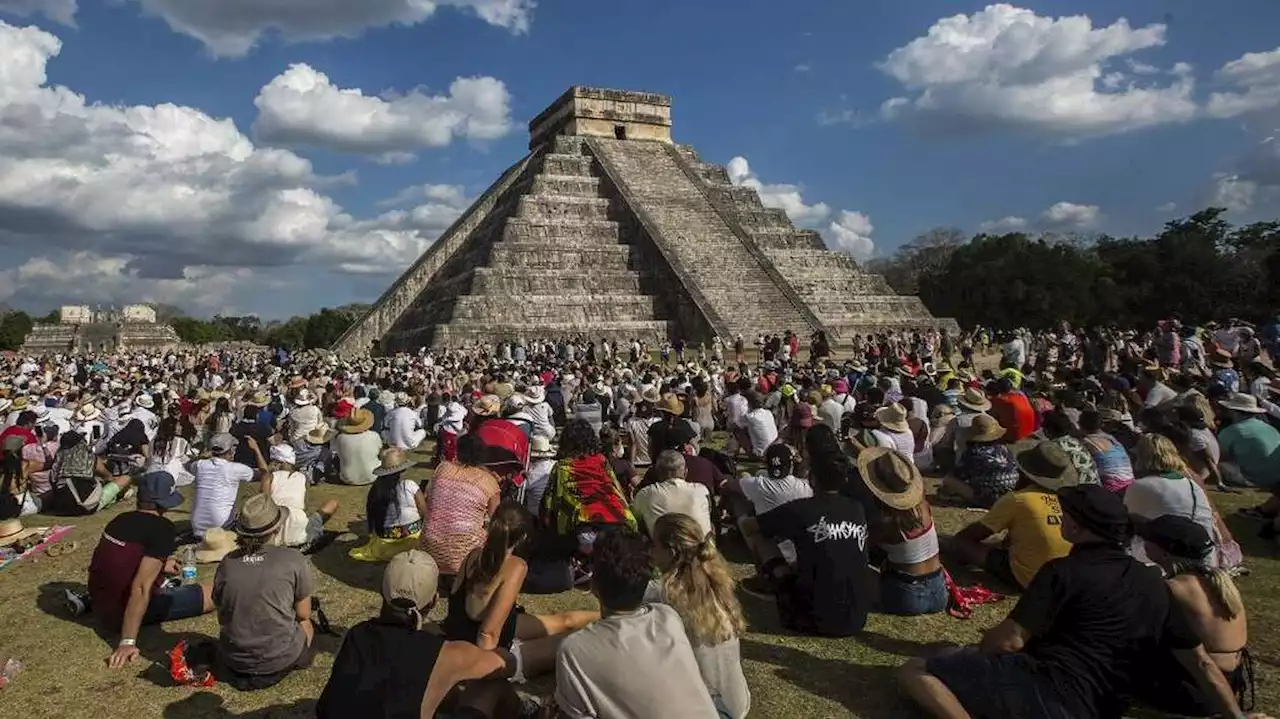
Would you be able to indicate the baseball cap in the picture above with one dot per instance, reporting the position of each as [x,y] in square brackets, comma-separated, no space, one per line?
[283,453]
[1178,536]
[778,460]
[411,575]
[158,489]
[220,443]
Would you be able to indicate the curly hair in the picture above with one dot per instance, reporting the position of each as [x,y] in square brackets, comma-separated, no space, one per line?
[620,561]
[579,440]
[829,467]
[698,584]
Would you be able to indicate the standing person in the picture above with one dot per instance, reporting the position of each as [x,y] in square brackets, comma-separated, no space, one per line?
[126,574]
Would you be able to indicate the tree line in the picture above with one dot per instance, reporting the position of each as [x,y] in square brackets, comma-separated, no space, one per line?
[1198,268]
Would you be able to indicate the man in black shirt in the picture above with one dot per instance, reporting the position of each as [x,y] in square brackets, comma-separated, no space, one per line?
[248,428]
[1073,644]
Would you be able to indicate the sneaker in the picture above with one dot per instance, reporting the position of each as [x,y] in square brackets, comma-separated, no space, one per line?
[530,707]
[760,587]
[75,603]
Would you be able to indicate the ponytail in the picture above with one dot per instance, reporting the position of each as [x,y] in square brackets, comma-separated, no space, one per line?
[507,529]
[1224,592]
[698,584]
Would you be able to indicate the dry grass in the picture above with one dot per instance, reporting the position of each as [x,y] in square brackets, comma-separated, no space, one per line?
[790,676]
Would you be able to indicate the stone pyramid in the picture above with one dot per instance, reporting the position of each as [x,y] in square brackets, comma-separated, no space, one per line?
[608,229]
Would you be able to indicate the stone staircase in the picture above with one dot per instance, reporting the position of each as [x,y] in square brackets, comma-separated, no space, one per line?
[727,278]
[845,299]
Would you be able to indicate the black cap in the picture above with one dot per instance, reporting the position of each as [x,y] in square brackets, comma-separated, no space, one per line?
[1098,511]
[778,460]
[1178,536]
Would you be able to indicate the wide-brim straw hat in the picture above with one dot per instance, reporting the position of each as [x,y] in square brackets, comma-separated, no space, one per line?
[670,404]
[320,435]
[12,531]
[975,400]
[360,420]
[1221,358]
[1048,465]
[1241,402]
[88,413]
[144,401]
[393,461]
[892,478]
[489,405]
[304,398]
[893,417]
[985,429]
[259,517]
[540,448]
[217,543]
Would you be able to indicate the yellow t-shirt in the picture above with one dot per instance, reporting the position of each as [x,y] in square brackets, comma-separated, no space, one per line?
[1033,519]
[1014,376]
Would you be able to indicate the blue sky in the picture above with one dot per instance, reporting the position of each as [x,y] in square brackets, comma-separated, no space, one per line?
[234,155]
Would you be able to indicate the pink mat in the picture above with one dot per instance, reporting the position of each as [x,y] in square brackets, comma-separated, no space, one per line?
[54,535]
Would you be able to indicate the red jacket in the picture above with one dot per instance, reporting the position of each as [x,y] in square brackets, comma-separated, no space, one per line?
[1014,412]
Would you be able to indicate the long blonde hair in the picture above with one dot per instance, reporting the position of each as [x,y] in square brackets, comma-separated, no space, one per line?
[1156,453]
[698,585]
[1223,591]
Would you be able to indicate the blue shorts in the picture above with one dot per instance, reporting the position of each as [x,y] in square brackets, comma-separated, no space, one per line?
[173,603]
[996,685]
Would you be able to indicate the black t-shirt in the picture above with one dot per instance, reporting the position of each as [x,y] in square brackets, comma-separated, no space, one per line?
[258,433]
[381,671]
[700,471]
[1096,616]
[126,540]
[829,532]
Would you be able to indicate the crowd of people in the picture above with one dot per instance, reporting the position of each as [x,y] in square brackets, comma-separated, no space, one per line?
[1090,457]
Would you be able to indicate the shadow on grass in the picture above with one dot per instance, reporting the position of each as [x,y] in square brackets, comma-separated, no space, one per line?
[1245,531]
[207,705]
[333,561]
[866,691]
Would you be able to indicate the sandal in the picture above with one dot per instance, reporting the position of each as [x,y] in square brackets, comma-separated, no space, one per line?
[60,548]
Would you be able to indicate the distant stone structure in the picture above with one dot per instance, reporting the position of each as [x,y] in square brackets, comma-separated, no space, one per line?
[85,330]
[609,229]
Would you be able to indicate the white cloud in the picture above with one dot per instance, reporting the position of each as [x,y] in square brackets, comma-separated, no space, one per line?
[783,197]
[803,67]
[1007,66]
[452,195]
[301,106]
[846,116]
[851,232]
[168,195]
[1004,224]
[1167,208]
[1069,215]
[1255,78]
[234,27]
[60,11]
[1233,192]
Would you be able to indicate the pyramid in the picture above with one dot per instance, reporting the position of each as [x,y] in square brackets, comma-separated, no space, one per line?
[608,229]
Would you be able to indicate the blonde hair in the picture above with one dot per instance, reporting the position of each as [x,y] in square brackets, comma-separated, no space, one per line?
[1155,453]
[698,585]
[1223,592]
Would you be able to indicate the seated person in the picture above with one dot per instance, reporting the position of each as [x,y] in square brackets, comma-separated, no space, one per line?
[695,582]
[126,589]
[482,604]
[393,509]
[218,480]
[287,487]
[82,483]
[1030,516]
[672,494]
[985,470]
[752,496]
[1013,411]
[263,594]
[1088,622]
[637,660]
[390,667]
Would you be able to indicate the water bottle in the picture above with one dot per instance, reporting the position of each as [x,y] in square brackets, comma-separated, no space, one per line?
[9,671]
[189,566]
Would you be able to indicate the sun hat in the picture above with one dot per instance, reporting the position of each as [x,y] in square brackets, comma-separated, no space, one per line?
[671,404]
[320,435]
[535,393]
[222,443]
[297,383]
[802,416]
[779,460]
[259,516]
[540,447]
[412,575]
[393,460]
[1221,358]
[893,417]
[304,398]
[402,399]
[258,399]
[87,412]
[1098,510]
[650,394]
[1241,402]
[12,531]
[1048,465]
[1178,536]
[788,391]
[985,428]
[975,400]
[159,489]
[216,545]
[892,478]
[144,401]
[489,405]
[359,421]
[283,453]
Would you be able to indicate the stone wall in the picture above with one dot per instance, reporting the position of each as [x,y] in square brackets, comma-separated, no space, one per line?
[599,112]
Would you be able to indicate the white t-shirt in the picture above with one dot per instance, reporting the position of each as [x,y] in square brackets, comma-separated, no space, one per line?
[766,493]
[638,430]
[302,420]
[289,490]
[673,496]
[404,428]
[1156,496]
[217,483]
[762,429]
[408,514]
[150,422]
[735,410]
[830,412]
[358,456]
[903,442]
[174,461]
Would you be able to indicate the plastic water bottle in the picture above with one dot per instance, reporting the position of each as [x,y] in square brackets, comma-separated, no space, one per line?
[188,566]
[9,671]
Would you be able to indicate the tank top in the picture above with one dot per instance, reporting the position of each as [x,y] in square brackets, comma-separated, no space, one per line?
[459,626]
[380,665]
[913,550]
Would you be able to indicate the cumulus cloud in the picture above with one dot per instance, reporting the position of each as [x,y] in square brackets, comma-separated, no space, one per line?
[1011,223]
[301,106]
[1255,82]
[234,27]
[851,232]
[1005,66]
[1059,217]
[166,193]
[60,11]
[1167,208]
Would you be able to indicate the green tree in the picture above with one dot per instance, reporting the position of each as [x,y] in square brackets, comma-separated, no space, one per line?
[14,328]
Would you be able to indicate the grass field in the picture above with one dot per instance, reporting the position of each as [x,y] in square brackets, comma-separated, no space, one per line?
[790,676]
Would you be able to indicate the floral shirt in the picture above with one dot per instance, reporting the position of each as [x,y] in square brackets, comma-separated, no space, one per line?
[1080,458]
[989,469]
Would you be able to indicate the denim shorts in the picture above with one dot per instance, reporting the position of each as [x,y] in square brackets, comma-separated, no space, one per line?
[170,603]
[909,596]
[996,685]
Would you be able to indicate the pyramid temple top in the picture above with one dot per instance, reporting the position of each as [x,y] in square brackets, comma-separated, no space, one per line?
[600,112]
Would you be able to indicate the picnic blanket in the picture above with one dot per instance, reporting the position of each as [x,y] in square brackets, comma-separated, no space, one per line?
[55,534]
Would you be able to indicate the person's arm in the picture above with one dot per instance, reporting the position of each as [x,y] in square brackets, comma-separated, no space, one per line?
[460,662]
[266,482]
[139,596]
[1006,637]
[1209,678]
[501,604]
[420,501]
[261,461]
[975,533]
[302,610]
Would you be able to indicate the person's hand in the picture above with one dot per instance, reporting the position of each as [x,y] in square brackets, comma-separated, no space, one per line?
[124,654]
[171,566]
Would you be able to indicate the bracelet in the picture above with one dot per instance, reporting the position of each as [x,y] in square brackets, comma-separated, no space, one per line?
[128,642]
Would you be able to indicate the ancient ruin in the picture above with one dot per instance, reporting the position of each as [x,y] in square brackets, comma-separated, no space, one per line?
[609,229]
[84,330]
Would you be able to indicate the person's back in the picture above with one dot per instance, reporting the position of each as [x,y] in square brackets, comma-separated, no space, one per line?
[1013,411]
[382,665]
[217,482]
[126,540]
[256,594]
[1254,446]
[1032,517]
[357,456]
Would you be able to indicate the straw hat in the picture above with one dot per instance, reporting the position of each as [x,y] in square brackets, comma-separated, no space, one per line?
[304,398]
[320,435]
[893,479]
[5,404]
[393,461]
[1220,358]
[540,448]
[975,400]
[144,401]
[1048,465]
[489,405]
[1241,402]
[671,404]
[985,428]
[259,517]
[258,399]
[217,543]
[12,532]
[650,394]
[360,421]
[893,417]
[87,413]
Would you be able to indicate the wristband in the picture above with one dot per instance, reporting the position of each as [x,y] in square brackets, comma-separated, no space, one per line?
[128,642]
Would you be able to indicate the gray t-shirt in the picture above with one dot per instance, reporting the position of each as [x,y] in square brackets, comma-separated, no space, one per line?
[256,596]
[720,664]
[632,666]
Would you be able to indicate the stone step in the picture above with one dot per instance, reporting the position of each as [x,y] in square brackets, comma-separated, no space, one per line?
[538,309]
[548,256]
[559,164]
[785,238]
[562,207]
[520,230]
[764,218]
[839,286]
[818,260]
[870,306]
[515,281]
[565,185]
[712,174]
[459,333]
[568,145]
